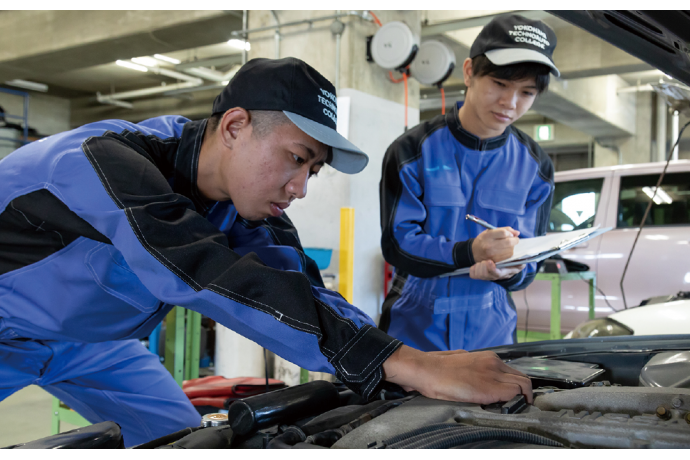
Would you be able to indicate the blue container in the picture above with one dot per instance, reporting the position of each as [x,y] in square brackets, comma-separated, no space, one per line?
[321,256]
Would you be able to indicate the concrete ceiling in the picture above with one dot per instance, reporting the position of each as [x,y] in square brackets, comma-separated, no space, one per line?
[74,52]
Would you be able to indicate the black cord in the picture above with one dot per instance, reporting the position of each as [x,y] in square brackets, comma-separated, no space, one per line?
[646,212]
[600,291]
[524,293]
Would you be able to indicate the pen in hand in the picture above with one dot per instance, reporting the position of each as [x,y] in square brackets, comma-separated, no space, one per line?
[479,221]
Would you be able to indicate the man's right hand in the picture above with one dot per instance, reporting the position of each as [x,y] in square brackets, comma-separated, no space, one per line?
[496,245]
[478,377]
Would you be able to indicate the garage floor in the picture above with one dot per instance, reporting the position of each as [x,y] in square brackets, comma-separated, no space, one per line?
[25,416]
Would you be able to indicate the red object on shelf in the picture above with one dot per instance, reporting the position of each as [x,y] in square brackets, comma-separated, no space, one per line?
[387,278]
[219,386]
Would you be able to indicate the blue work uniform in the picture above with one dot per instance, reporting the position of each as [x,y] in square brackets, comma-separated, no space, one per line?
[103,230]
[433,175]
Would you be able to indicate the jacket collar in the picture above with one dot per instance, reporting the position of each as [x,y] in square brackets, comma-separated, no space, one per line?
[468,139]
[186,165]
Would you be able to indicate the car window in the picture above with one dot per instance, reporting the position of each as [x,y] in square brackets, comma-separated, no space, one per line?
[671,204]
[575,204]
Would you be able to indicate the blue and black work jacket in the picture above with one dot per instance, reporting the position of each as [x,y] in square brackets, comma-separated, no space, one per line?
[435,174]
[103,230]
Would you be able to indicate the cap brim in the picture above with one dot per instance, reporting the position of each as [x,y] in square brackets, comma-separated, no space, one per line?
[506,56]
[347,158]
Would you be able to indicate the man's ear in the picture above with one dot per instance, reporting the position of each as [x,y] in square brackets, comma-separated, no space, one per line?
[230,126]
[467,71]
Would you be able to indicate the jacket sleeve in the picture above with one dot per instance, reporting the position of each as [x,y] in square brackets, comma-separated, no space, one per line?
[535,221]
[404,243]
[183,259]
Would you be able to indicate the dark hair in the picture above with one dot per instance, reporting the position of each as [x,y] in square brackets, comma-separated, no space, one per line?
[482,66]
[263,121]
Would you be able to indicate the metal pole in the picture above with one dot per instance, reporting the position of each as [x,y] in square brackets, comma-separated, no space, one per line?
[675,124]
[244,35]
[26,117]
[337,28]
[277,34]
[337,63]
[660,128]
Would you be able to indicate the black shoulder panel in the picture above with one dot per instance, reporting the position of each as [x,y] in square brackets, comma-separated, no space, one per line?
[541,157]
[284,233]
[37,225]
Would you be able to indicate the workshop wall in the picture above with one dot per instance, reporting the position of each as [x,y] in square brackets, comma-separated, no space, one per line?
[47,114]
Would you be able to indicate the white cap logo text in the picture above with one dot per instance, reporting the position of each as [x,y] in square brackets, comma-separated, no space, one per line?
[529,35]
[329,100]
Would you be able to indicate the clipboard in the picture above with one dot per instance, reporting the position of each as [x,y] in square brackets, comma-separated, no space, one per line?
[541,247]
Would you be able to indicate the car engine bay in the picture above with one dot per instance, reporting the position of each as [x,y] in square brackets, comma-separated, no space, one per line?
[635,394]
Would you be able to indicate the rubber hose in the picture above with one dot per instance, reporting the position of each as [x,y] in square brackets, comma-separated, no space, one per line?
[463,435]
[329,437]
[167,439]
[433,436]
[216,437]
[418,431]
[288,439]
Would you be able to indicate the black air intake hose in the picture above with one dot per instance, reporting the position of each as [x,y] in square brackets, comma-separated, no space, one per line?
[446,436]
[322,430]
[104,435]
[283,406]
[216,437]
[167,439]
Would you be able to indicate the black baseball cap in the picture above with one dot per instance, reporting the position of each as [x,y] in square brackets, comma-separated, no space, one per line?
[305,96]
[511,38]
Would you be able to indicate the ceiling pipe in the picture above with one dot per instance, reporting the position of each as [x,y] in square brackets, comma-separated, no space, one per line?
[360,14]
[148,91]
[107,100]
[175,75]
[213,75]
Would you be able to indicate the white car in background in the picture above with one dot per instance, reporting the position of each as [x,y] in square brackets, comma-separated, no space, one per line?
[651,319]
[616,196]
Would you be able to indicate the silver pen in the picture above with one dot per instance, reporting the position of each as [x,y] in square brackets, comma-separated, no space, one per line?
[479,221]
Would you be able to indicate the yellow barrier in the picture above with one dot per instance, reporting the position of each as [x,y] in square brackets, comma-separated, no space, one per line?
[347,253]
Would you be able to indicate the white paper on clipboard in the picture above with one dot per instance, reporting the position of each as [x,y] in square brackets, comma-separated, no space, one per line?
[541,247]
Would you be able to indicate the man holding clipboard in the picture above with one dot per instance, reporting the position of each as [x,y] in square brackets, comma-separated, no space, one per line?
[469,161]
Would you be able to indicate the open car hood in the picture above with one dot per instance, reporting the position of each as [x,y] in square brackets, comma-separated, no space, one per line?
[659,38]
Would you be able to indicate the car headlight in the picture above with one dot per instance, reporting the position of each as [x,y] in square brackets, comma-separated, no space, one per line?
[602,327]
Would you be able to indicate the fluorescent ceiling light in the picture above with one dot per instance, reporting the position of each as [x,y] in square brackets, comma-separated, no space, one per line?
[664,196]
[225,82]
[167,59]
[660,197]
[28,85]
[239,44]
[145,61]
[131,65]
